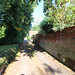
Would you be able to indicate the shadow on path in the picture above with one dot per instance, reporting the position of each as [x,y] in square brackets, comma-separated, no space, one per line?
[51,70]
[33,61]
[29,49]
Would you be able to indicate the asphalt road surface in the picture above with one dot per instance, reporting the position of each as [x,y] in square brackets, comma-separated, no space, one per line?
[32,60]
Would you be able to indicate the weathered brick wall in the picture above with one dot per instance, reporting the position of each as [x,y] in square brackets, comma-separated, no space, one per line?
[60,44]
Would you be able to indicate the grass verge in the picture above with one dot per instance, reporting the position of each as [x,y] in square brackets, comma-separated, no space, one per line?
[7,54]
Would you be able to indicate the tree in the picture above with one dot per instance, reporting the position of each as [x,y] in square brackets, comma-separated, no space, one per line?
[62,13]
[46,25]
[16,18]
[35,28]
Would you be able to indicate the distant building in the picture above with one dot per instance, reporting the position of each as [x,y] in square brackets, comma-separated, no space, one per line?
[31,33]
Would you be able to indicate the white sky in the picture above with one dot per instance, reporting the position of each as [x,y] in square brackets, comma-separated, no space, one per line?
[38,14]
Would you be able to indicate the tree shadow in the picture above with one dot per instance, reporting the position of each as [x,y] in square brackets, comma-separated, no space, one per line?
[9,55]
[22,74]
[50,70]
[29,49]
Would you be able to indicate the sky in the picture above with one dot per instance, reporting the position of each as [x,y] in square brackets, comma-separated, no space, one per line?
[38,14]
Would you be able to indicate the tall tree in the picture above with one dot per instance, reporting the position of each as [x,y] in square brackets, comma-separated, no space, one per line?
[16,18]
[59,15]
[62,12]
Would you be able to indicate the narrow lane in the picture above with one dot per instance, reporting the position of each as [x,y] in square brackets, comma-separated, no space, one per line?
[32,60]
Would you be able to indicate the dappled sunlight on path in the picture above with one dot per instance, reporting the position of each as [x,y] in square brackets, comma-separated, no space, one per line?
[32,60]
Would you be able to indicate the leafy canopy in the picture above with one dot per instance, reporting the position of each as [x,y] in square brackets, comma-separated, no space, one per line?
[60,14]
[16,18]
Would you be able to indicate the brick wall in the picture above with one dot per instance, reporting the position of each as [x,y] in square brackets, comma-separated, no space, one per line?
[60,44]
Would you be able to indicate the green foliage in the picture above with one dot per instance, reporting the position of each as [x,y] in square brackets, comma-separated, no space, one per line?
[16,16]
[2,34]
[60,15]
[47,25]
[29,38]
[7,54]
[35,28]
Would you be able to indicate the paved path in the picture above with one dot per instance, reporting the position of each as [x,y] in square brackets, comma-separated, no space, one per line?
[33,61]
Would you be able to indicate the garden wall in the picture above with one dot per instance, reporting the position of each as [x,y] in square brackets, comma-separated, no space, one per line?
[60,44]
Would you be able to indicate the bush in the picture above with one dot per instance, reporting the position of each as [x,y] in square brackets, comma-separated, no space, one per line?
[28,38]
[47,25]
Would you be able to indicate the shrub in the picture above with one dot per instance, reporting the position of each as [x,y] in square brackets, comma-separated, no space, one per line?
[47,25]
